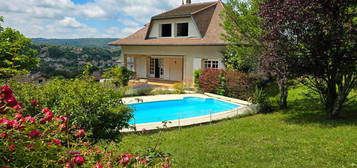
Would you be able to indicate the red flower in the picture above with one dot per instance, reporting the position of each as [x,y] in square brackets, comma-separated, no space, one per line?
[34,103]
[34,134]
[61,118]
[6,89]
[5,167]
[109,164]
[98,165]
[30,119]
[12,148]
[125,159]
[18,116]
[143,160]
[44,110]
[17,107]
[62,127]
[3,135]
[79,133]
[57,142]
[4,121]
[11,124]
[30,147]
[165,165]
[69,165]
[79,160]
[10,101]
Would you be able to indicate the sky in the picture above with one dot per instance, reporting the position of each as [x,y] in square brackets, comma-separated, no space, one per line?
[81,18]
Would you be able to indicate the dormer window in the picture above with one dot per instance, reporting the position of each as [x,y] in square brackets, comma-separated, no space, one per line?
[182,29]
[166,30]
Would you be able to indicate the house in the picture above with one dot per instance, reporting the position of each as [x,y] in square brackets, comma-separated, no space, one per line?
[176,43]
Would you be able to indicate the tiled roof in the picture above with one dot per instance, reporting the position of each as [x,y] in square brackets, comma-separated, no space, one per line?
[184,10]
[207,20]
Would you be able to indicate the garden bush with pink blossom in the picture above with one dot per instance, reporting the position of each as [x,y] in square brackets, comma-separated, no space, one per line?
[89,104]
[49,140]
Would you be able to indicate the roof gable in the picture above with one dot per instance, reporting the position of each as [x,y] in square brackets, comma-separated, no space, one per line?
[207,19]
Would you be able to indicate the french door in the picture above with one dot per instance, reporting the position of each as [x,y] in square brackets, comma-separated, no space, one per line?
[157,68]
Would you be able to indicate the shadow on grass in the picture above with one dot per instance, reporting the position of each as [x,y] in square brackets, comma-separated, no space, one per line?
[310,111]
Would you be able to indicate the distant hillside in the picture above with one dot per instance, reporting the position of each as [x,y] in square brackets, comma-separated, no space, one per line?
[82,42]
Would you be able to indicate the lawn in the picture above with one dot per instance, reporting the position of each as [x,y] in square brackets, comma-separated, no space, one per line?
[298,137]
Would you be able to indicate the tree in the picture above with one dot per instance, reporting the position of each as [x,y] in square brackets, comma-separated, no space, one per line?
[16,56]
[320,44]
[243,33]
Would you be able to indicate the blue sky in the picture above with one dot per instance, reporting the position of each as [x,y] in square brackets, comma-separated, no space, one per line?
[81,18]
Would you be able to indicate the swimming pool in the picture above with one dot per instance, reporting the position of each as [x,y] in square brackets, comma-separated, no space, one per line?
[169,110]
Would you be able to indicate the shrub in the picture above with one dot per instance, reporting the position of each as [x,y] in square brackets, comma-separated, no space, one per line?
[238,84]
[179,88]
[260,99]
[227,82]
[89,104]
[143,89]
[46,140]
[120,76]
[209,81]
[197,74]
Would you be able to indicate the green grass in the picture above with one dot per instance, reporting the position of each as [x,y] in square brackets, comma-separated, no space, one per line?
[298,137]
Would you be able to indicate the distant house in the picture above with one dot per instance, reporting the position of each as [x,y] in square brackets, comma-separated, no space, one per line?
[176,43]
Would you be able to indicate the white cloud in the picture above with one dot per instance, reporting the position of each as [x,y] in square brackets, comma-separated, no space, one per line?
[70,22]
[61,18]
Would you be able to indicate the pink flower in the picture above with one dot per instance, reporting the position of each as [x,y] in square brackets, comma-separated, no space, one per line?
[12,148]
[109,164]
[165,165]
[125,159]
[44,110]
[61,118]
[57,142]
[143,160]
[10,101]
[18,116]
[4,121]
[3,135]
[69,165]
[6,89]
[62,127]
[79,133]
[34,134]
[79,160]
[34,103]
[98,165]
[12,124]
[17,107]
[30,119]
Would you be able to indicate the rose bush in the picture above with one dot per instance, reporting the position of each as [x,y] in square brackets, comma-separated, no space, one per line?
[47,140]
[89,104]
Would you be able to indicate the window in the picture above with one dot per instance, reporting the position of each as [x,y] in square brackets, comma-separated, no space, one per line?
[211,64]
[152,66]
[182,29]
[166,30]
[131,63]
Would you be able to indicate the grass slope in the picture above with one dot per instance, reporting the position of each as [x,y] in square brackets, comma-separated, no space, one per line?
[298,137]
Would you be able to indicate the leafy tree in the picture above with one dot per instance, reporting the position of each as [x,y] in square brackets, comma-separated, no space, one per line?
[319,38]
[243,33]
[16,56]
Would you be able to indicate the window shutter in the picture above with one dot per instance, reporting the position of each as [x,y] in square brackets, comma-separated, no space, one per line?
[197,64]
[220,64]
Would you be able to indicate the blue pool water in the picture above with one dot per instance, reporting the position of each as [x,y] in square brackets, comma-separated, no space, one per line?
[177,109]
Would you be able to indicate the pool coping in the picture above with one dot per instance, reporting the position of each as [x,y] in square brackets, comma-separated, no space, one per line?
[244,107]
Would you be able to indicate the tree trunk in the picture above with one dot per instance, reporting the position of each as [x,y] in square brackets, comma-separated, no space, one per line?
[283,88]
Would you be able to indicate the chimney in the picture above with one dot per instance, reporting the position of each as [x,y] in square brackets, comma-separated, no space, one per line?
[188,1]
